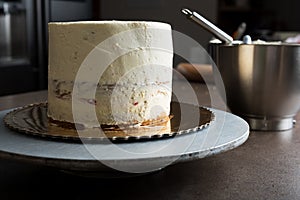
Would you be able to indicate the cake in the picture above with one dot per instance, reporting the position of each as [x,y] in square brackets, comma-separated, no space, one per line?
[130,78]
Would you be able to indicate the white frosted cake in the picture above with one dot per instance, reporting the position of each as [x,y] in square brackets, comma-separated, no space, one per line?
[120,69]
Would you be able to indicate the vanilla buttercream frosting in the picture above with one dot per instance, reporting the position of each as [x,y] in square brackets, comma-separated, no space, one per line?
[120,69]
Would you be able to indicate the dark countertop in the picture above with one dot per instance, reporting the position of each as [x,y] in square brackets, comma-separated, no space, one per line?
[266,166]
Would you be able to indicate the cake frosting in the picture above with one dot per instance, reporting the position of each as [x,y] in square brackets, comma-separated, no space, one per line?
[134,89]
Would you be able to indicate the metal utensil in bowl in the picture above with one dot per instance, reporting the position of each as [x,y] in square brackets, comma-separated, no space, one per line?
[194,16]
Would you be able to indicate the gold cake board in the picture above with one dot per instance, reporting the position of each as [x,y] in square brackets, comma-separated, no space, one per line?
[32,120]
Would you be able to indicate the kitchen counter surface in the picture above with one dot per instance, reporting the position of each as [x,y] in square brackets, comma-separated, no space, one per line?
[266,166]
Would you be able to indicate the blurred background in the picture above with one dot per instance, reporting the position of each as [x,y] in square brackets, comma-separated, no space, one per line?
[24,41]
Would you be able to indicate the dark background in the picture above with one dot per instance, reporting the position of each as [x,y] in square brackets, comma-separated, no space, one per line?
[27,70]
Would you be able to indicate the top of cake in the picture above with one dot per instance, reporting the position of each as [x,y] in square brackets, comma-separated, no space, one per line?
[115,22]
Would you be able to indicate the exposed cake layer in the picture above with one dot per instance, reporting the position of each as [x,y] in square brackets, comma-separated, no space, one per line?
[133,70]
[114,104]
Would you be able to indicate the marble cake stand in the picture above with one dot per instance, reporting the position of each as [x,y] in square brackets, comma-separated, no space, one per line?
[227,132]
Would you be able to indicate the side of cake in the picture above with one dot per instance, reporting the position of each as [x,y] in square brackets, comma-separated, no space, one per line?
[135,88]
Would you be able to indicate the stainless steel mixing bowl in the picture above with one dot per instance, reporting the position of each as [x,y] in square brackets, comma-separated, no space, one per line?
[262,82]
